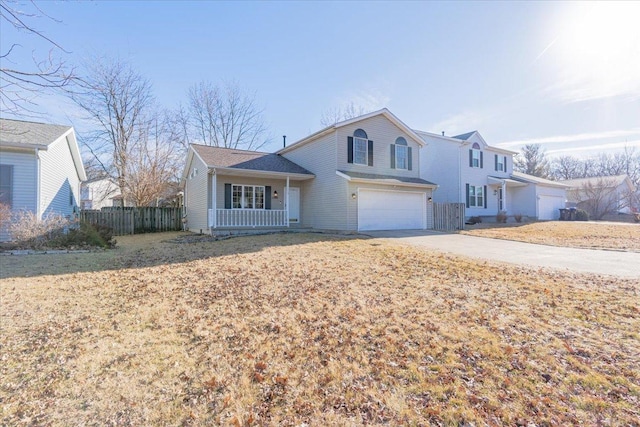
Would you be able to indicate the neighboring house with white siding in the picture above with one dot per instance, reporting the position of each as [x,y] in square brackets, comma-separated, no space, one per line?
[470,171]
[99,193]
[40,169]
[359,174]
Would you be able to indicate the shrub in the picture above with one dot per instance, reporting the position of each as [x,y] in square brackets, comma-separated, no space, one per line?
[582,215]
[5,214]
[501,217]
[95,235]
[474,220]
[518,217]
[31,232]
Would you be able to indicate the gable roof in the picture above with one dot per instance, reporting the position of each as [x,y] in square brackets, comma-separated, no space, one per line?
[19,133]
[523,177]
[597,181]
[463,140]
[218,157]
[24,134]
[465,136]
[383,112]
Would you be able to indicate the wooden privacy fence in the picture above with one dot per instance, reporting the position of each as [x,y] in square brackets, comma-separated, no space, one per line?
[448,216]
[135,220]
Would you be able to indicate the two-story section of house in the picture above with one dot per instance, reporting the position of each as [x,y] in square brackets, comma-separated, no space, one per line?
[367,175]
[470,171]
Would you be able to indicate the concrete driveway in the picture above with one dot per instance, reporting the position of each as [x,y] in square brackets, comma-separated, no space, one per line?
[622,264]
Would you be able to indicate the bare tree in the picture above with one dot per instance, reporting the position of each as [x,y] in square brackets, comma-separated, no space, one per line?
[600,197]
[118,102]
[567,167]
[153,166]
[20,86]
[532,161]
[224,116]
[334,115]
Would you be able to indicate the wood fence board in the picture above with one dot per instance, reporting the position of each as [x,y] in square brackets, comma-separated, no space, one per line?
[448,216]
[135,220]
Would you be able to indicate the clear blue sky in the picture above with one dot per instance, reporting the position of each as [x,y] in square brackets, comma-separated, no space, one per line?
[563,74]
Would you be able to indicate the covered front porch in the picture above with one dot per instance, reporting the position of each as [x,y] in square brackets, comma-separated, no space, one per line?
[254,199]
[502,187]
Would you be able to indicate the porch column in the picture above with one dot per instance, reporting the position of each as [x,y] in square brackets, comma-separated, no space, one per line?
[286,200]
[504,195]
[214,201]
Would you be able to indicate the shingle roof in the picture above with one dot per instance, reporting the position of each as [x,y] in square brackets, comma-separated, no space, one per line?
[523,177]
[16,132]
[249,160]
[390,179]
[596,181]
[465,136]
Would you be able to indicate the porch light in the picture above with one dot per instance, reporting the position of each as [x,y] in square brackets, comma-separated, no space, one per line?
[353,196]
[495,192]
[275,194]
[430,199]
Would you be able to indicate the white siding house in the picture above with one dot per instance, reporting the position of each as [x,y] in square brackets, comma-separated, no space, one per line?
[470,171]
[99,193]
[40,169]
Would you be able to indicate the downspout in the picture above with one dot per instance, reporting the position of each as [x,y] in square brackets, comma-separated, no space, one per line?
[38,163]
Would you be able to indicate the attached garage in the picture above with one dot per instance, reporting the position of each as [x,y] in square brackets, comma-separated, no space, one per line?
[549,205]
[391,210]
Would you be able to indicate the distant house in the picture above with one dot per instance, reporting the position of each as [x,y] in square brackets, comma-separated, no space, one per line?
[602,195]
[100,192]
[470,171]
[40,169]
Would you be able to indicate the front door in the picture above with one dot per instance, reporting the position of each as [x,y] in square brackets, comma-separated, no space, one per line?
[294,204]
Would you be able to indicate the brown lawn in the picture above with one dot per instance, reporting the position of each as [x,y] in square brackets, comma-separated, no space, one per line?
[594,235]
[311,329]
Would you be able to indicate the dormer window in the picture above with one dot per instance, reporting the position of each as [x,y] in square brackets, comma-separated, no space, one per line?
[475,156]
[360,149]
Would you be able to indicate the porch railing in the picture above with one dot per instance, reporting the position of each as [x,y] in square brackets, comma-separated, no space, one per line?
[247,218]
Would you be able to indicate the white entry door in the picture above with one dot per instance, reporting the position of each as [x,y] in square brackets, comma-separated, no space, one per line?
[294,204]
[391,210]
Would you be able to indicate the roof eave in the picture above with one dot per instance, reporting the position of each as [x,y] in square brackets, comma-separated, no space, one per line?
[25,146]
[385,182]
[259,173]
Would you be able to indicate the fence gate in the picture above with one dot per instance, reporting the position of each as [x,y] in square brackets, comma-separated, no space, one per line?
[448,216]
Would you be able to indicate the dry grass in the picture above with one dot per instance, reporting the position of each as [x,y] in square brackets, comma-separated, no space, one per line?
[293,329]
[591,235]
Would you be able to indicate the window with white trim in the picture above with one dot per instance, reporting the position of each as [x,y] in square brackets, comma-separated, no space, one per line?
[500,165]
[401,153]
[6,185]
[360,155]
[476,196]
[475,155]
[247,197]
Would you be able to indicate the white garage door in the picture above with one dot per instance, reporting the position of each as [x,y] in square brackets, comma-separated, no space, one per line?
[390,210]
[548,207]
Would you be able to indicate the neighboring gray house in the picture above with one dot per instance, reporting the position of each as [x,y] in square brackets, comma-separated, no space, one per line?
[40,169]
[359,174]
[470,171]
[602,195]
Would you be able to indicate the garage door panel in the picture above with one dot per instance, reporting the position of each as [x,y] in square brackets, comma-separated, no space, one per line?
[390,210]
[548,207]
